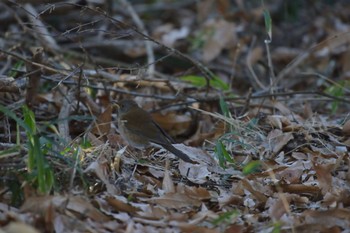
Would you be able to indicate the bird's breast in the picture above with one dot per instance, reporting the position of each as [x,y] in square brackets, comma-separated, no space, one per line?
[133,139]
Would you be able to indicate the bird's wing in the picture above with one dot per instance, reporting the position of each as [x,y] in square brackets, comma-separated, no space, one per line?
[145,126]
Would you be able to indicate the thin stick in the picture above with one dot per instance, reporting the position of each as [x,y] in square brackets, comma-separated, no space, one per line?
[148,44]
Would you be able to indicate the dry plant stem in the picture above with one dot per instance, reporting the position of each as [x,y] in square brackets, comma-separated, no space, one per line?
[251,70]
[163,5]
[234,64]
[15,14]
[270,66]
[103,61]
[216,97]
[63,125]
[300,58]
[79,89]
[7,128]
[71,182]
[103,74]
[39,65]
[40,28]
[6,66]
[206,72]
[34,77]
[247,101]
[141,26]
[89,102]
[326,79]
[293,93]
[272,77]
[197,99]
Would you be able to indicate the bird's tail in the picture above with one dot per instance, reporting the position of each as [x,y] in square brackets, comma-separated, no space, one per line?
[178,153]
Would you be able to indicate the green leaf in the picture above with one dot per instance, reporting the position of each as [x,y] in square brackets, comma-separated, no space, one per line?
[268,23]
[277,227]
[224,107]
[29,120]
[337,90]
[222,154]
[39,170]
[226,217]
[17,66]
[251,167]
[200,81]
[13,150]
[12,115]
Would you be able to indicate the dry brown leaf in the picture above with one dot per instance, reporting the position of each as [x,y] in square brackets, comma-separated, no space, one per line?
[204,8]
[197,173]
[223,36]
[300,189]
[175,200]
[291,175]
[201,135]
[39,205]
[223,6]
[19,227]
[329,218]
[174,35]
[276,140]
[252,189]
[324,176]
[194,228]
[101,168]
[299,155]
[103,122]
[275,121]
[346,127]
[63,223]
[173,123]
[83,207]
[76,205]
[279,206]
[168,184]
[235,229]
[153,212]
[197,193]
[230,199]
[255,55]
[196,154]
[121,206]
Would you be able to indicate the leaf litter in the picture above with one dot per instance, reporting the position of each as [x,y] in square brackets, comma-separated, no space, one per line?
[287,140]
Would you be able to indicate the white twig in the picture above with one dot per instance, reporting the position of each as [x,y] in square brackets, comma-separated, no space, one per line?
[141,26]
[40,28]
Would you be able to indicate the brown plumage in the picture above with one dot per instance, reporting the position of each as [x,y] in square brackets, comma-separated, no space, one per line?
[137,127]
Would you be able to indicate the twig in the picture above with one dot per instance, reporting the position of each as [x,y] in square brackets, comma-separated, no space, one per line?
[34,75]
[250,67]
[206,72]
[45,67]
[141,26]
[63,125]
[272,76]
[40,28]
[327,80]
[300,58]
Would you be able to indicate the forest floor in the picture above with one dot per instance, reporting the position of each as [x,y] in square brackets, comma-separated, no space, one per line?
[256,93]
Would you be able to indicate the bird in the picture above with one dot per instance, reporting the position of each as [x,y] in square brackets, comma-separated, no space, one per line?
[140,131]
